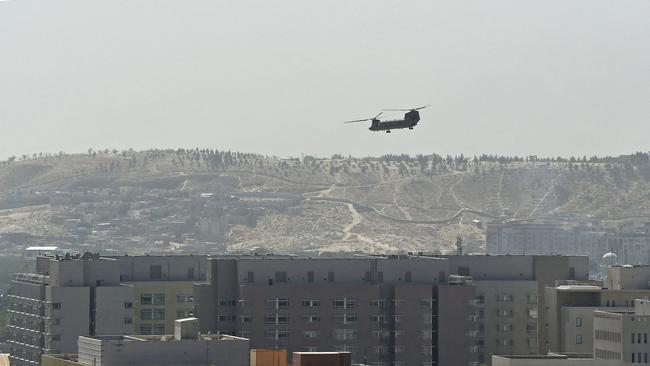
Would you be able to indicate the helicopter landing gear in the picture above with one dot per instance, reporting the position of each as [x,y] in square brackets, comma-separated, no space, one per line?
[387,131]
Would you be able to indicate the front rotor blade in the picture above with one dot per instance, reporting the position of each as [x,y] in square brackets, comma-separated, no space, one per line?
[358,120]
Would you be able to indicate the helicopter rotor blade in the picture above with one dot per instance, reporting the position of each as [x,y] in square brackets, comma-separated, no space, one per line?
[358,120]
[366,119]
[406,110]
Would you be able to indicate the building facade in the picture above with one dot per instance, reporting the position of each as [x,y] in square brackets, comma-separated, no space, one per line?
[71,296]
[404,303]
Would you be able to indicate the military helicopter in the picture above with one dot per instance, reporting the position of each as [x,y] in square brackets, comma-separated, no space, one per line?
[410,120]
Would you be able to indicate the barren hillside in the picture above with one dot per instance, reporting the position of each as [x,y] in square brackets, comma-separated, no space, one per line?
[383,204]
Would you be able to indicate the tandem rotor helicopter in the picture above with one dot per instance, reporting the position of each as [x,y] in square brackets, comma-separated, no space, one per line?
[410,120]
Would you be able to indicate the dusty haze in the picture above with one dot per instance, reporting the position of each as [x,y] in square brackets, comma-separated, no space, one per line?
[508,77]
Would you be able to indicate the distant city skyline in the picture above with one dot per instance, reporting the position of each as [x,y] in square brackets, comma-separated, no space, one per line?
[504,77]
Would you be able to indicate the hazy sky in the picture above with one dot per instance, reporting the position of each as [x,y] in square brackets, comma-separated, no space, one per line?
[279,77]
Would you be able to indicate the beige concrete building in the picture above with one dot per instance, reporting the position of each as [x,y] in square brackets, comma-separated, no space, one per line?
[69,297]
[185,348]
[158,304]
[550,360]
[623,336]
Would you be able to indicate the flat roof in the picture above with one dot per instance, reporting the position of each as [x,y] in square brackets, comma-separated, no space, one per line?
[42,248]
[579,288]
[4,359]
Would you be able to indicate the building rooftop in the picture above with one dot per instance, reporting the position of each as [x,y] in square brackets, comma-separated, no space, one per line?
[579,288]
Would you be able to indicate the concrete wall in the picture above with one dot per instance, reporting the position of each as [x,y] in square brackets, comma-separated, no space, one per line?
[58,360]
[321,359]
[74,317]
[268,357]
[507,319]
[111,313]
[455,328]
[122,351]
[549,361]
[173,268]
[171,290]
[626,277]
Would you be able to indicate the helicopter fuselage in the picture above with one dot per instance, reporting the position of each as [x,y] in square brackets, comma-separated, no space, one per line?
[410,120]
[392,124]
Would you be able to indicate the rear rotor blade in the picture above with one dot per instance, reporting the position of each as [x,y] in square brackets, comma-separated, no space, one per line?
[406,110]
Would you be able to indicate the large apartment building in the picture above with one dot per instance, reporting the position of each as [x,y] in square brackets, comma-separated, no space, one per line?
[71,296]
[394,310]
[631,244]
[571,307]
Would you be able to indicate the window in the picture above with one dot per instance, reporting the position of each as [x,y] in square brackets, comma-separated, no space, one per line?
[345,318]
[276,319]
[181,314]
[184,298]
[152,314]
[330,276]
[578,339]
[190,273]
[128,305]
[56,337]
[531,328]
[632,338]
[159,299]
[378,318]
[226,302]
[380,276]
[246,319]
[505,327]
[227,318]
[155,272]
[250,277]
[128,320]
[578,322]
[311,318]
[56,305]
[311,303]
[281,276]
[344,303]
[152,329]
[505,297]
[407,276]
[311,334]
[442,277]
[310,276]
[345,334]
[146,299]
[463,271]
[276,303]
[152,299]
[276,334]
[245,334]
[379,303]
